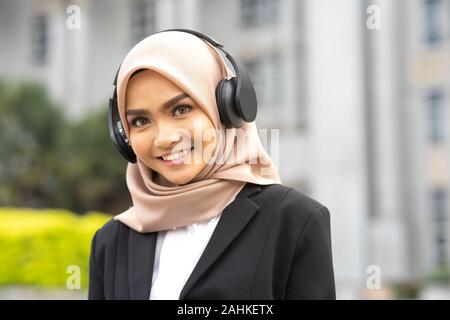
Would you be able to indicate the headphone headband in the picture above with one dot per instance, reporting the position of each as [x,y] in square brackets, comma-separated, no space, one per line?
[235,97]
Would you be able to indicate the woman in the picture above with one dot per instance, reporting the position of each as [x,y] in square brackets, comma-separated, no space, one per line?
[210,218]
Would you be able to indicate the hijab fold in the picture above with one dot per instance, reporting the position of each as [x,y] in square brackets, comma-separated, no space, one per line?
[196,67]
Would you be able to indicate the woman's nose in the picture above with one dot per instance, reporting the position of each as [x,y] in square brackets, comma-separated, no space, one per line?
[167,136]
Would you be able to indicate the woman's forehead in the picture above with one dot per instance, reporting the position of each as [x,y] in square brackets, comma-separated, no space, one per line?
[150,85]
[149,77]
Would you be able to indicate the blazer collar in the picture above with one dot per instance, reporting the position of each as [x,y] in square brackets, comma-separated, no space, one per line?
[142,246]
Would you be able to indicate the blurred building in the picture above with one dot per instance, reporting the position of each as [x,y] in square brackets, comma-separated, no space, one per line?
[363,113]
[407,111]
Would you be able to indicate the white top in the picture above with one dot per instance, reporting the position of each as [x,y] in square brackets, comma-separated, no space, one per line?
[177,252]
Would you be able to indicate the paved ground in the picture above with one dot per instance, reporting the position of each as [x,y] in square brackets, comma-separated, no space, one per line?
[30,293]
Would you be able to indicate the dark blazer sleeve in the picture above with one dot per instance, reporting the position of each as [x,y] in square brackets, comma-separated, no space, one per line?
[96,286]
[312,275]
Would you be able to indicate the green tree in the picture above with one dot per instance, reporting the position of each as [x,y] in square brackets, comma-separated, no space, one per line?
[46,160]
[91,169]
[29,128]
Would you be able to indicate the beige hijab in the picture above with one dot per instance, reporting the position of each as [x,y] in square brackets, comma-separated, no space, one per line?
[196,67]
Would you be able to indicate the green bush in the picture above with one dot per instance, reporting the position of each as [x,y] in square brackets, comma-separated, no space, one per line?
[37,246]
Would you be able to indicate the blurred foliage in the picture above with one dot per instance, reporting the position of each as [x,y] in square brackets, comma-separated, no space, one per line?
[37,246]
[48,161]
[439,275]
[407,290]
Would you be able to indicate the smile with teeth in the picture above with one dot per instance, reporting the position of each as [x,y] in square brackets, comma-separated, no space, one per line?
[176,155]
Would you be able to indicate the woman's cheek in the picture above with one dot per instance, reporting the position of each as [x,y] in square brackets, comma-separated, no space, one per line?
[141,145]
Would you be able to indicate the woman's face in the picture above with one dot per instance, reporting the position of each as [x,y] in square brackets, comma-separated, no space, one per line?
[162,120]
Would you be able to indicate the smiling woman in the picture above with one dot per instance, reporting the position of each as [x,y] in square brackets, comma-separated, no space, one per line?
[158,114]
[202,226]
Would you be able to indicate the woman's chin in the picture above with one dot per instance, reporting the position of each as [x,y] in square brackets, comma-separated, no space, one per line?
[176,176]
[176,179]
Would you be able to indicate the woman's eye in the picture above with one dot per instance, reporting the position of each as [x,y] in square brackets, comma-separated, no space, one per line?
[181,110]
[139,122]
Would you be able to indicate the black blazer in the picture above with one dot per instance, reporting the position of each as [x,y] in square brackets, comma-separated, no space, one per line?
[272,242]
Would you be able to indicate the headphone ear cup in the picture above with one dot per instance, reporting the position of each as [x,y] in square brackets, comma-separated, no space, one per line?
[117,133]
[226,103]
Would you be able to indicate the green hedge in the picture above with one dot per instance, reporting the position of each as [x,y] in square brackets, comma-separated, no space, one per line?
[37,246]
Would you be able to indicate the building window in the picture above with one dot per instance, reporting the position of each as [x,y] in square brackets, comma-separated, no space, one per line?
[440,225]
[277,78]
[143,19]
[433,22]
[435,115]
[267,77]
[438,205]
[259,12]
[39,40]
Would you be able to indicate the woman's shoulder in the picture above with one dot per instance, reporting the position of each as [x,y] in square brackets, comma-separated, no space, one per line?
[108,233]
[288,201]
[293,213]
[289,196]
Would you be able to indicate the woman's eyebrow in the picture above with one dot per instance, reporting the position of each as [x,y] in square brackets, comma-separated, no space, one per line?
[174,100]
[166,105]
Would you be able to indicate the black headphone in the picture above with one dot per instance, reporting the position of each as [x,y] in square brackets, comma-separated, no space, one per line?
[235,97]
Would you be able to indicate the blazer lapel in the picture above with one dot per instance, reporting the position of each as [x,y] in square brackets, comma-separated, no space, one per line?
[141,249]
[234,218]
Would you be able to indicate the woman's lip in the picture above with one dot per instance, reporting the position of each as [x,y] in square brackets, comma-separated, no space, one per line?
[177,162]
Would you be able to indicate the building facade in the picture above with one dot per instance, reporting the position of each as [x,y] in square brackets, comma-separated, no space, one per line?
[362,113]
